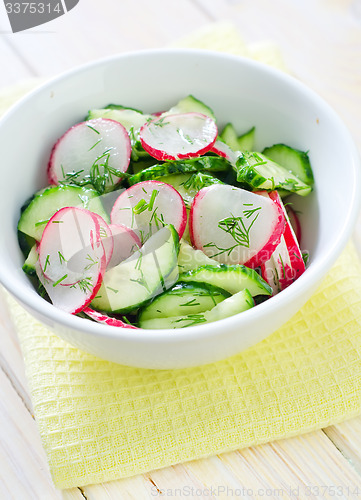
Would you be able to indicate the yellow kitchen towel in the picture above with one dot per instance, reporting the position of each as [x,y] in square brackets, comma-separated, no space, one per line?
[100,421]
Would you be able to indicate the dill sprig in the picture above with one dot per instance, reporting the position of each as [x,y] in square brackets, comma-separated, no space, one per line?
[61,257]
[102,176]
[60,280]
[92,262]
[192,302]
[191,319]
[238,228]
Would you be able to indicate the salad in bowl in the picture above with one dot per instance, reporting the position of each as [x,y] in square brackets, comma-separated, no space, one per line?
[163,221]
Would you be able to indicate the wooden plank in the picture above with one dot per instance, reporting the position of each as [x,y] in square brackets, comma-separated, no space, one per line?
[13,67]
[134,488]
[24,470]
[322,49]
[11,360]
[346,436]
[295,465]
[96,29]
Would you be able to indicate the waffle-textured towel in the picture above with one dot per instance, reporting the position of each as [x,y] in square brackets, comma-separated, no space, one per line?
[100,421]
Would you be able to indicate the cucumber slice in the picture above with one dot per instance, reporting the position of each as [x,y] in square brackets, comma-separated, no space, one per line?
[239,302]
[190,258]
[292,159]
[244,142]
[233,278]
[45,203]
[139,164]
[120,106]
[229,136]
[190,104]
[128,117]
[183,299]
[257,171]
[201,164]
[188,185]
[25,242]
[29,264]
[147,273]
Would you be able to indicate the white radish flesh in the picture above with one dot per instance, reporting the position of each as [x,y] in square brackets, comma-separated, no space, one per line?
[93,152]
[222,149]
[70,249]
[178,136]
[126,242]
[147,206]
[71,299]
[235,226]
[278,271]
[107,320]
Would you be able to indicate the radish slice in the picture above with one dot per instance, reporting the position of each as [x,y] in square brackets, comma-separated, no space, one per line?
[222,149]
[106,236]
[295,222]
[148,206]
[235,226]
[93,152]
[105,319]
[71,299]
[70,249]
[286,263]
[296,258]
[269,273]
[184,135]
[278,271]
[126,242]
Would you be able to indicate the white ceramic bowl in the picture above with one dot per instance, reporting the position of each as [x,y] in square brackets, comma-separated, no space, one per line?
[239,90]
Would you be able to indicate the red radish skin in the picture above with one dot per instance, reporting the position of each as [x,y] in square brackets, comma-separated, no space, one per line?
[222,149]
[184,135]
[290,265]
[295,223]
[216,204]
[126,242]
[106,236]
[93,142]
[107,320]
[147,206]
[297,262]
[70,248]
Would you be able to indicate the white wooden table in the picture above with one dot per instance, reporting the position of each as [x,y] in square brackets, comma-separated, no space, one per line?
[321,44]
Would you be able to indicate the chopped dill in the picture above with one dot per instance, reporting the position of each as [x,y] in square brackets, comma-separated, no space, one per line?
[94,145]
[61,257]
[192,302]
[60,280]
[140,207]
[47,262]
[92,128]
[192,319]
[41,222]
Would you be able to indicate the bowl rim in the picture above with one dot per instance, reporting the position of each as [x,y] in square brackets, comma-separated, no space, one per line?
[308,280]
